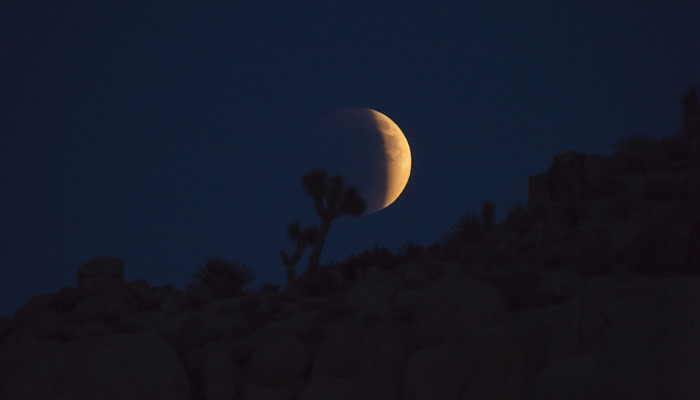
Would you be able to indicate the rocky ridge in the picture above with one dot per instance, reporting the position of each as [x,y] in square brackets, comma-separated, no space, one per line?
[427,330]
[591,292]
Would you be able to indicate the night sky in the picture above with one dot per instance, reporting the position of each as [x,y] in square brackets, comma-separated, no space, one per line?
[167,134]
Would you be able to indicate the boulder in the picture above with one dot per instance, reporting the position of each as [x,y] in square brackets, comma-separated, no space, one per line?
[106,294]
[368,294]
[322,388]
[102,305]
[438,372]
[280,362]
[572,177]
[539,189]
[166,298]
[218,374]
[655,354]
[142,292]
[562,380]
[379,368]
[120,366]
[455,308]
[387,346]
[33,307]
[49,324]
[499,374]
[342,353]
[415,276]
[277,393]
[376,274]
[567,176]
[67,299]
[197,295]
[103,266]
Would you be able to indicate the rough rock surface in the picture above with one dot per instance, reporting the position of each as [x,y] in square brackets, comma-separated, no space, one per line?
[572,177]
[114,366]
[451,337]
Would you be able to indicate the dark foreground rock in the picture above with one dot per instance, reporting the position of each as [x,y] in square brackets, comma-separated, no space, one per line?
[453,336]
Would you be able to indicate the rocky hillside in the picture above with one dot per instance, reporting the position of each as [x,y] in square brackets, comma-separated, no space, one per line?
[427,330]
[589,292]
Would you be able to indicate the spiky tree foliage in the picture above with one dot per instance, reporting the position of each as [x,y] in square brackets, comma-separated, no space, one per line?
[303,238]
[468,229]
[410,251]
[332,199]
[691,113]
[488,215]
[225,278]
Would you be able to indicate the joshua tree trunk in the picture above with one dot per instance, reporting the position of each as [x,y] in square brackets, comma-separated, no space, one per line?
[315,260]
[332,199]
[291,262]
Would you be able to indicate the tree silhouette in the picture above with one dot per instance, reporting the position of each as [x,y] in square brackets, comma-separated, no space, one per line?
[488,215]
[303,238]
[691,113]
[332,199]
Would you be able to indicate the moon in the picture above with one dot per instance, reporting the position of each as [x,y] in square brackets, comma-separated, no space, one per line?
[367,148]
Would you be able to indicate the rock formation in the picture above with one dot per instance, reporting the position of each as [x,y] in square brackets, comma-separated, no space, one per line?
[590,293]
[384,336]
[573,177]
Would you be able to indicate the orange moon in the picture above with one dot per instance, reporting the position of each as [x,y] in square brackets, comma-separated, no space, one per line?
[368,149]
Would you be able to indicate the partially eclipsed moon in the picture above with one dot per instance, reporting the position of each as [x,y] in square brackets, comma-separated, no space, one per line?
[368,149]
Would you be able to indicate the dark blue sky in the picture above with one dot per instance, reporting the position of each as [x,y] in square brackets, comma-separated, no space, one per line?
[170,134]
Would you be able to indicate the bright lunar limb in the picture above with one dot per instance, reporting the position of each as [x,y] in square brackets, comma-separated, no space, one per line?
[368,149]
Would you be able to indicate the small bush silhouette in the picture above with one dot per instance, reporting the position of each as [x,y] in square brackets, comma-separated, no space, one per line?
[410,251]
[488,215]
[225,278]
[377,256]
[691,113]
[468,229]
[319,283]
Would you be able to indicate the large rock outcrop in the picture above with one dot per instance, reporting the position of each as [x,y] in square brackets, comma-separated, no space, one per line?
[573,177]
[112,367]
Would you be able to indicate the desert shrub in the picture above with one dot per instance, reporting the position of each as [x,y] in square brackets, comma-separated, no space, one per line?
[470,254]
[467,230]
[410,251]
[225,278]
[376,256]
[488,215]
[319,283]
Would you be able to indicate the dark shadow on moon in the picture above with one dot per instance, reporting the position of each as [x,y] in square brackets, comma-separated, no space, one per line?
[349,142]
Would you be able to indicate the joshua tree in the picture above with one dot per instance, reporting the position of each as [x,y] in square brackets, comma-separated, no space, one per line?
[331,200]
[303,238]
